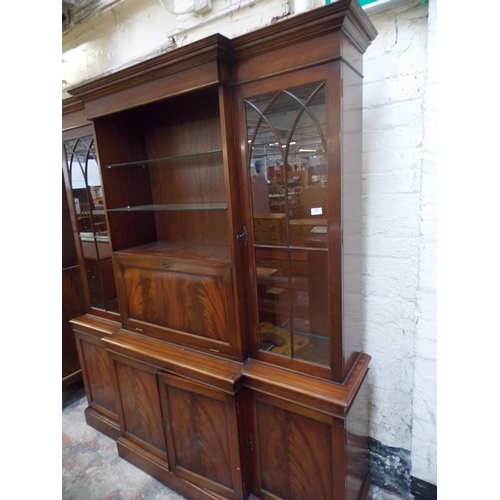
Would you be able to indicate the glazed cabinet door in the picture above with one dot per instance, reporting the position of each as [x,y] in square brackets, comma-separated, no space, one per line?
[301,167]
[291,172]
[202,435]
[84,192]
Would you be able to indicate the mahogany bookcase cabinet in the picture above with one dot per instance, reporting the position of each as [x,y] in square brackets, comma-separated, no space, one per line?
[231,175]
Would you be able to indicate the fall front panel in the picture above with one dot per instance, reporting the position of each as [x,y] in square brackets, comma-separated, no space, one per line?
[179,302]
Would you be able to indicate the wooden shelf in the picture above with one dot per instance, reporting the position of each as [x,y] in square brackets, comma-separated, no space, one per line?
[202,253]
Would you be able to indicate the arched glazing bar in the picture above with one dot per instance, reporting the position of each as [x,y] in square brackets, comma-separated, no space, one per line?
[91,225]
[259,123]
[291,262]
[311,115]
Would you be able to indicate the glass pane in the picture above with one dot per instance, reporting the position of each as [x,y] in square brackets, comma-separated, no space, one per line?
[287,162]
[310,319]
[273,290]
[307,177]
[269,121]
[87,195]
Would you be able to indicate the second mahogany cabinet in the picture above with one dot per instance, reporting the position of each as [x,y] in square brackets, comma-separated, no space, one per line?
[231,176]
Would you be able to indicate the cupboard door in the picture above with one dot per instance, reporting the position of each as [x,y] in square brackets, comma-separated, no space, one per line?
[296,451]
[202,435]
[140,415]
[292,188]
[97,375]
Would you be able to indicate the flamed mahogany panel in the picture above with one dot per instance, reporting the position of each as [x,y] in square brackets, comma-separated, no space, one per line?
[191,303]
[198,425]
[98,372]
[295,454]
[141,405]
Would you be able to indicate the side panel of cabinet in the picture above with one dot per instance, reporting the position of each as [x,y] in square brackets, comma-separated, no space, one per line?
[202,435]
[357,452]
[298,453]
[352,249]
[102,412]
[139,410]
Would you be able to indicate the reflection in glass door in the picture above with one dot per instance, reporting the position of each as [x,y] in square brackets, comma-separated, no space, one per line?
[288,176]
[86,189]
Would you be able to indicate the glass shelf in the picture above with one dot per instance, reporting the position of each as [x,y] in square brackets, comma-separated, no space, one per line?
[171,207]
[289,247]
[144,163]
[97,237]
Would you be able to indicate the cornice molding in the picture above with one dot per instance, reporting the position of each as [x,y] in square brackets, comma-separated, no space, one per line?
[71,105]
[310,24]
[212,48]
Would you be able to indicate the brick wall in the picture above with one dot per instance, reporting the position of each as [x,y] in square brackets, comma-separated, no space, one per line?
[424,430]
[399,221]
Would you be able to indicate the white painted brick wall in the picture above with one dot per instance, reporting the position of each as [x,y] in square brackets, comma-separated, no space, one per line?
[424,428]
[399,222]
[399,186]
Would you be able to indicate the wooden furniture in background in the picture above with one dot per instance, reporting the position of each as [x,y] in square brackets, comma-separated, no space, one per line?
[73,303]
[92,276]
[235,369]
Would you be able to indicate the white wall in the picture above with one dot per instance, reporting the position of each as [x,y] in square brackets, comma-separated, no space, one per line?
[424,431]
[399,184]
[399,175]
